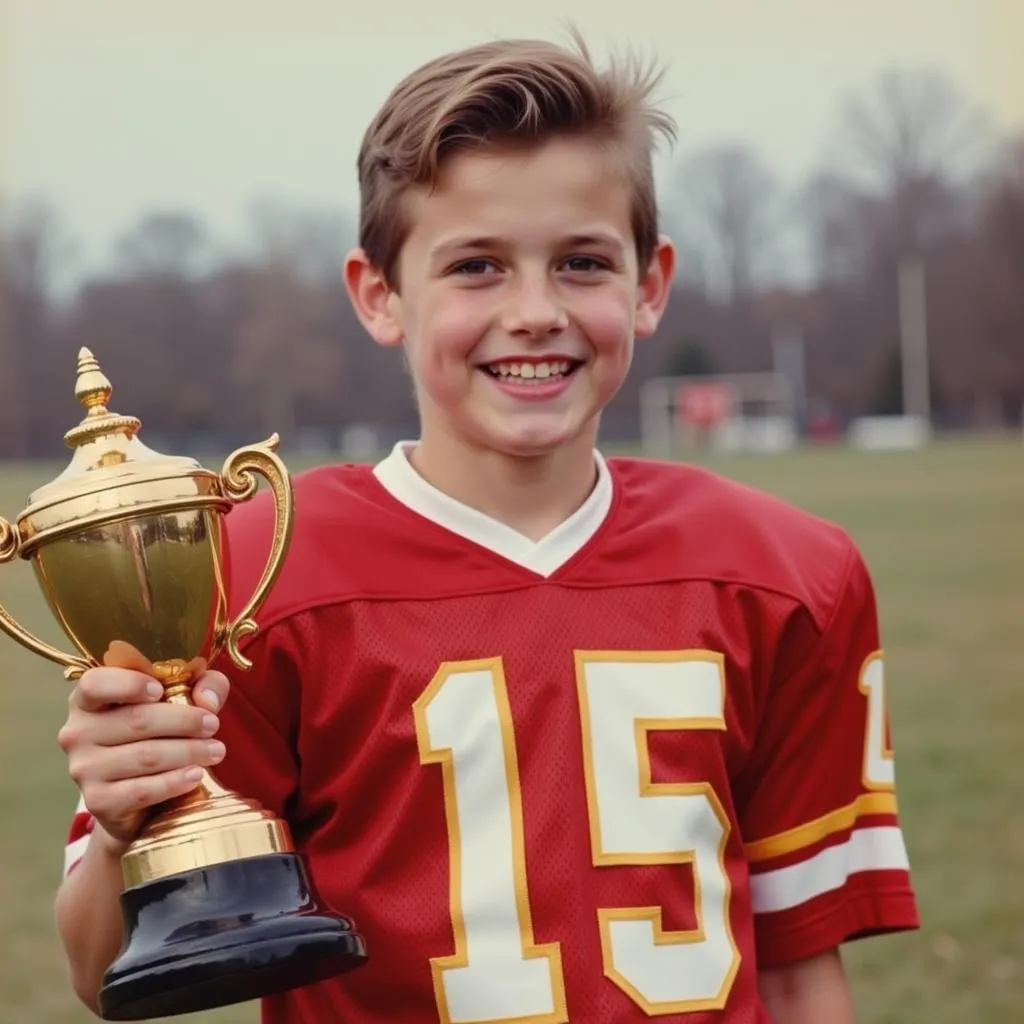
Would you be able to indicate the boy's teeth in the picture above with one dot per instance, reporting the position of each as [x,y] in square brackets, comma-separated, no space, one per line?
[531,371]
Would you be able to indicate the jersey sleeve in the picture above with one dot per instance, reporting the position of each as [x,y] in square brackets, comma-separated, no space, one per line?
[818,816]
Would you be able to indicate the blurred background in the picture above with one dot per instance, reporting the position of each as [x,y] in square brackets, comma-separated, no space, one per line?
[177,193]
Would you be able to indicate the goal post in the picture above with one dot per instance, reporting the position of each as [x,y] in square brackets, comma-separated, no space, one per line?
[742,412]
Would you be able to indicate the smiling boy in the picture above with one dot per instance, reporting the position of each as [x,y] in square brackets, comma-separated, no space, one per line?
[571,738]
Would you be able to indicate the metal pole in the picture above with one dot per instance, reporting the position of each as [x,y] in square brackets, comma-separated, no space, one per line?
[914,339]
[788,356]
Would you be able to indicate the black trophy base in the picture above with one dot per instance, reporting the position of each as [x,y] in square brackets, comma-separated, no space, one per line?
[224,934]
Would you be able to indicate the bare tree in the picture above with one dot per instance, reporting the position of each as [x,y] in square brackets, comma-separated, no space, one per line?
[911,124]
[284,352]
[998,356]
[12,427]
[312,242]
[35,250]
[726,202]
[37,245]
[907,141]
[169,244]
[1006,204]
[840,222]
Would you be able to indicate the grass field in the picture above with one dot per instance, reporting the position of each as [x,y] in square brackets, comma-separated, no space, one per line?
[943,531]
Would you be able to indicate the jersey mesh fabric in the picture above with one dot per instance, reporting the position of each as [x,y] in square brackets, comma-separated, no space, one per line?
[372,816]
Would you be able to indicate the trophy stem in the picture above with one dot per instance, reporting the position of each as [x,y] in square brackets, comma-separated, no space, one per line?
[208,826]
[218,907]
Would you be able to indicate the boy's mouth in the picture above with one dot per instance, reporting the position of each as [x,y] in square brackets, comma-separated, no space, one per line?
[532,372]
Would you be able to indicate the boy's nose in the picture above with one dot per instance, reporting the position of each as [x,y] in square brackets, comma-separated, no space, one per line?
[534,310]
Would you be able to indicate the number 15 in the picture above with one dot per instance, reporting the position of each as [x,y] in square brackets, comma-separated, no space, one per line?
[498,972]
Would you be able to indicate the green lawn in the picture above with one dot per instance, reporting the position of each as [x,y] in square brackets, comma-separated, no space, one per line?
[943,531]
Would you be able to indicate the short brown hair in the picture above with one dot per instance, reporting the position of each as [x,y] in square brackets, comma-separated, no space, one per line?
[510,92]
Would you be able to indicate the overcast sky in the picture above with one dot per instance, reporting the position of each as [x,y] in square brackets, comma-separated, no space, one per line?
[114,107]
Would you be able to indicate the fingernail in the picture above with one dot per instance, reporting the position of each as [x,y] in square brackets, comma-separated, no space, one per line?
[212,700]
[210,724]
[193,774]
[216,749]
[155,690]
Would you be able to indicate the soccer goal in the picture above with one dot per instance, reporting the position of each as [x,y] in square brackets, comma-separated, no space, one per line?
[743,412]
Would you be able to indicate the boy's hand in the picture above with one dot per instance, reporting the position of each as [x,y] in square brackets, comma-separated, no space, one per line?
[128,751]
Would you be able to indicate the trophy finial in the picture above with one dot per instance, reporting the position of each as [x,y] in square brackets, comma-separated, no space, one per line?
[93,390]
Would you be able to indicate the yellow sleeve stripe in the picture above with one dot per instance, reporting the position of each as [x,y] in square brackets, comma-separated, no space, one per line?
[821,828]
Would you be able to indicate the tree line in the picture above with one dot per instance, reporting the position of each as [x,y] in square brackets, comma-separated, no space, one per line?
[206,345]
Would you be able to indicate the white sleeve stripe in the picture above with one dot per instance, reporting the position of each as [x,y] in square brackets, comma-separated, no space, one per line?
[868,849]
[74,852]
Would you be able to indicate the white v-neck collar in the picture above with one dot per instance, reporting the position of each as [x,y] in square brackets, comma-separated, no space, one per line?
[544,557]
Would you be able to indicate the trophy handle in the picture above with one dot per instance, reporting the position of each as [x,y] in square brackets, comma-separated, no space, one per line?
[239,479]
[74,667]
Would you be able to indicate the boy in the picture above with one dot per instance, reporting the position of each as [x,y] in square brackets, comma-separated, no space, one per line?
[571,739]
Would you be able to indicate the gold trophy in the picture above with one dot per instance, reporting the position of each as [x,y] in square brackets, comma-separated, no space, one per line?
[127,546]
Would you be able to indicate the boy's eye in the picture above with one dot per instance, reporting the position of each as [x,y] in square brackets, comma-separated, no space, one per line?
[583,264]
[474,268]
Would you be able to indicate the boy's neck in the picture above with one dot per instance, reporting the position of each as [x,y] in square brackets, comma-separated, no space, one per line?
[532,496]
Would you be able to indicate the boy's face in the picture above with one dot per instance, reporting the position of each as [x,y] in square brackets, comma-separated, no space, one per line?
[520,296]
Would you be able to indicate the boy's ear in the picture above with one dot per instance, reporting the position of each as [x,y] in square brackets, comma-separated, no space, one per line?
[655,288]
[372,299]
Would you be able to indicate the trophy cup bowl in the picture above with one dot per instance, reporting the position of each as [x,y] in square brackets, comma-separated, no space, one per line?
[127,548]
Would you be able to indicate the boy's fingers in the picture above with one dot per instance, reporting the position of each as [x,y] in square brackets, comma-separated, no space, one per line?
[211,691]
[118,800]
[100,687]
[132,723]
[157,757]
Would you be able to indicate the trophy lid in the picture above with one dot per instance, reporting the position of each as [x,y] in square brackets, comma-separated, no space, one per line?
[111,468]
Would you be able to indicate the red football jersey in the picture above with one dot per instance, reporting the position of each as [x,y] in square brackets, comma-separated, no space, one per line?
[602,794]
